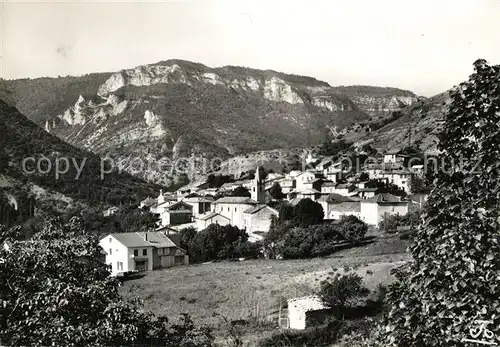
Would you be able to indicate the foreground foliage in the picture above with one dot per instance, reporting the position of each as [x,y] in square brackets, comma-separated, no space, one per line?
[55,290]
[454,280]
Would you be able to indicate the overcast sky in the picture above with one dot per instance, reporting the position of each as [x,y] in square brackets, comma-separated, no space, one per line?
[426,46]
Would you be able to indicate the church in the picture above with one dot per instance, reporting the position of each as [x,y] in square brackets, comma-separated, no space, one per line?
[251,214]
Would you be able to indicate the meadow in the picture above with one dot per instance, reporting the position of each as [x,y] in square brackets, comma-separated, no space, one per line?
[249,292]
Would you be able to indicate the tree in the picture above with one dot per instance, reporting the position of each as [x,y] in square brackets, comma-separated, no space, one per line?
[276,192]
[363,177]
[308,212]
[240,191]
[452,281]
[220,242]
[56,291]
[352,228]
[341,290]
[286,212]
[418,185]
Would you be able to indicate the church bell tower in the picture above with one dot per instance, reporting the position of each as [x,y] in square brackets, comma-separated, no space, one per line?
[258,193]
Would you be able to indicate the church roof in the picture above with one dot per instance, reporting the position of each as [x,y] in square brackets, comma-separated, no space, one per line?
[236,200]
[257,208]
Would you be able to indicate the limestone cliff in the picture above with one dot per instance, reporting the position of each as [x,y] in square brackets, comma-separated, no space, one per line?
[175,109]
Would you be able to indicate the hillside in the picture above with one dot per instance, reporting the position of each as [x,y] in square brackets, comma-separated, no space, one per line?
[423,119]
[78,184]
[176,109]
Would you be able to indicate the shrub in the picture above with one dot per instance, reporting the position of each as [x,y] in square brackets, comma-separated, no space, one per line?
[352,228]
[342,290]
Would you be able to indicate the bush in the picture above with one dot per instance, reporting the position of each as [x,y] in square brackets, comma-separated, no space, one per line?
[342,290]
[220,242]
[352,228]
[391,223]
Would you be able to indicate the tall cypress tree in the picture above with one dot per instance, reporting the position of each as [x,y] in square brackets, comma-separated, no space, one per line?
[454,278]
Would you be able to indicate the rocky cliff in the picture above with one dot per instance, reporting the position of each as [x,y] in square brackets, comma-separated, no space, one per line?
[149,117]
[418,126]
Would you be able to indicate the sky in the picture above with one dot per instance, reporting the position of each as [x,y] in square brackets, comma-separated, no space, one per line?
[426,46]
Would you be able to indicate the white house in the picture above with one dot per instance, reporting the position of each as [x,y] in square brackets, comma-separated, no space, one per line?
[251,213]
[394,157]
[142,251]
[402,179]
[203,221]
[233,208]
[110,211]
[302,181]
[292,174]
[258,218]
[300,308]
[374,209]
[336,206]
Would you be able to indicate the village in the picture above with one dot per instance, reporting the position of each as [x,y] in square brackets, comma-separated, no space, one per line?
[332,184]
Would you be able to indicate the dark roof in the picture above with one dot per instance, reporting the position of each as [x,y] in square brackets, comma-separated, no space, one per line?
[368,189]
[386,198]
[343,185]
[149,201]
[189,207]
[336,198]
[346,206]
[210,216]
[199,199]
[329,184]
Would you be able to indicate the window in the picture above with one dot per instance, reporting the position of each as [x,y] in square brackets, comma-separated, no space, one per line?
[110,239]
[120,266]
[253,189]
[228,209]
[144,252]
[136,252]
[160,251]
[221,209]
[110,251]
[235,209]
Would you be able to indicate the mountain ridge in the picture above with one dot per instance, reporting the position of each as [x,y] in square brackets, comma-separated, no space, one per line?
[176,109]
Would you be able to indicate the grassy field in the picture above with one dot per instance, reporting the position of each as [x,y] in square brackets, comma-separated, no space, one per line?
[252,290]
